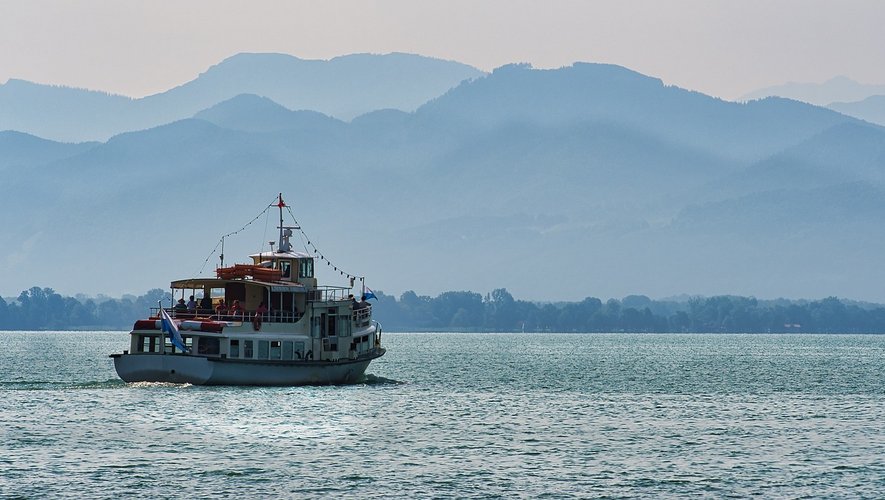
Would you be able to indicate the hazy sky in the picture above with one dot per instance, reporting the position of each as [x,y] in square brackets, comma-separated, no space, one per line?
[724,48]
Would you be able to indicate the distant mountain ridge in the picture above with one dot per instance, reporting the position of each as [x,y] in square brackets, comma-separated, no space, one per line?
[541,181]
[609,93]
[871,109]
[836,89]
[343,87]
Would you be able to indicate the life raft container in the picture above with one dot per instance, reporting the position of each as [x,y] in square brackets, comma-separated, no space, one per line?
[260,273]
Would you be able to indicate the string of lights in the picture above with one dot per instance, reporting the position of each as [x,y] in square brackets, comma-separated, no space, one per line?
[322,257]
[233,233]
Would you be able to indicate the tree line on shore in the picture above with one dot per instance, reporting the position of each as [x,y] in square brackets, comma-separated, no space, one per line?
[44,309]
[498,311]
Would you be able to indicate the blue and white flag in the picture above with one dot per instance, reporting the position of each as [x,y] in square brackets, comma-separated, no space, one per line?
[370,294]
[170,328]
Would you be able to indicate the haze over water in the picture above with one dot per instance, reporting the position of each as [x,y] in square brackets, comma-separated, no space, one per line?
[460,415]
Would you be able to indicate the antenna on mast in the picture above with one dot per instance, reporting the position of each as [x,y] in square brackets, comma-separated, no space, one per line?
[285,231]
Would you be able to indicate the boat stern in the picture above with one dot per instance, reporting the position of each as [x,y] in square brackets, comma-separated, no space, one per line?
[171,368]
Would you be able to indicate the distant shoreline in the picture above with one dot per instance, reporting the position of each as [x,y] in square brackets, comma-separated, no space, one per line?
[42,309]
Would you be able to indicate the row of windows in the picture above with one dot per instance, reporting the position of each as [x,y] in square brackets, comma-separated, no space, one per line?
[266,349]
[155,344]
[239,349]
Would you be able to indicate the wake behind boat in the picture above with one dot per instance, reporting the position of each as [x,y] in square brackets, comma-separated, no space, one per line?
[264,323]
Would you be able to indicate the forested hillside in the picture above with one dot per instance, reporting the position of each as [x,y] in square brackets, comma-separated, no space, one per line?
[498,311]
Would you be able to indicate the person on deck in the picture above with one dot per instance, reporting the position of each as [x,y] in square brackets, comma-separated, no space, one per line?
[180,306]
[235,308]
[221,309]
[206,304]
[262,310]
[259,316]
[191,304]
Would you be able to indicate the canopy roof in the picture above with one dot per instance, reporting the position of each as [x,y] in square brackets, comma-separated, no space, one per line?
[192,283]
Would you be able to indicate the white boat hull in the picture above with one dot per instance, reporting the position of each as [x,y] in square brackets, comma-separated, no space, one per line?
[199,370]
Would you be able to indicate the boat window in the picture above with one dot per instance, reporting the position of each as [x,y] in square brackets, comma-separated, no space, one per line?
[286,268]
[247,348]
[234,349]
[275,349]
[262,349]
[169,348]
[148,344]
[299,350]
[287,349]
[305,268]
[344,326]
[209,346]
[330,325]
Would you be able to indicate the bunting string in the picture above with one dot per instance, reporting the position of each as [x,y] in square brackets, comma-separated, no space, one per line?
[234,233]
[322,257]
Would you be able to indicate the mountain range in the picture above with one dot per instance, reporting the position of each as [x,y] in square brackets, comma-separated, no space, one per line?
[343,87]
[557,184]
[842,94]
[871,109]
[836,89]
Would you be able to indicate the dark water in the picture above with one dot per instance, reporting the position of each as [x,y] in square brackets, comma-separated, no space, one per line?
[461,416]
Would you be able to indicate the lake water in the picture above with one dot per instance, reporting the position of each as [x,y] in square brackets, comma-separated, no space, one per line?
[460,415]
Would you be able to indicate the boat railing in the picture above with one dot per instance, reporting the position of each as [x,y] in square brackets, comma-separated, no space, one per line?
[363,316]
[279,317]
[329,293]
[243,316]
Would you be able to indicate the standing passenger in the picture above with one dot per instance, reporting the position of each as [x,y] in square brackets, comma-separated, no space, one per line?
[235,308]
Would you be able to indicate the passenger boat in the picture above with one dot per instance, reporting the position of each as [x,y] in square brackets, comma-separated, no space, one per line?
[290,331]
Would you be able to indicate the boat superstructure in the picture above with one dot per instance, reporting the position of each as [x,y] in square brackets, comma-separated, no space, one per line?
[263,323]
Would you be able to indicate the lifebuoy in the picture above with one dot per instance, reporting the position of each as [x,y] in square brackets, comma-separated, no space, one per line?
[309,355]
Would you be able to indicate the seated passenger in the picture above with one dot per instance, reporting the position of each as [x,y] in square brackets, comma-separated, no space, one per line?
[206,304]
[191,304]
[221,309]
[180,306]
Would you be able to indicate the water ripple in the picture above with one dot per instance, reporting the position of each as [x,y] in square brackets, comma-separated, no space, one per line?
[461,416]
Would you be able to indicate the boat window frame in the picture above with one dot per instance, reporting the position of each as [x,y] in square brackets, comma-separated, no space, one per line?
[148,343]
[209,346]
[305,268]
[285,269]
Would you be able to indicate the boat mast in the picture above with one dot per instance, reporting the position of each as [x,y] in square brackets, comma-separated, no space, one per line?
[280,204]
[285,231]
